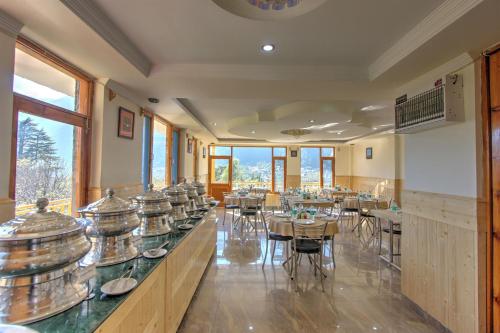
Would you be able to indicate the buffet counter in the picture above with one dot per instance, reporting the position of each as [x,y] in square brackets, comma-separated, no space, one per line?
[158,303]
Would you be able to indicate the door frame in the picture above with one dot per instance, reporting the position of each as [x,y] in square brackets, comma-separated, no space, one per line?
[489,267]
[230,171]
[321,159]
[274,159]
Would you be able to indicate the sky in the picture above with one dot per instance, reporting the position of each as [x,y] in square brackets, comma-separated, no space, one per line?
[61,133]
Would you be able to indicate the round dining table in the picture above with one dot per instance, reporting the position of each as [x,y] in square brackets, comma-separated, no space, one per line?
[283,225]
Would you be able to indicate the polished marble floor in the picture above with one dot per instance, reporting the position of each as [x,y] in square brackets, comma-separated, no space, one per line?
[361,295]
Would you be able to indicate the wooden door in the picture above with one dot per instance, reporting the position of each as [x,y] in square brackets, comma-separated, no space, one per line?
[220,176]
[493,71]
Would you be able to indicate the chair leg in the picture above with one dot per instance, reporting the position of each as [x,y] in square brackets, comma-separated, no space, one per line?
[265,253]
[321,269]
[333,252]
[224,218]
[272,253]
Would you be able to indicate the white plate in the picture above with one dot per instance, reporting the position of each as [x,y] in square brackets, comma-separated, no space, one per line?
[321,215]
[158,254]
[281,215]
[119,286]
[304,221]
[185,227]
[6,328]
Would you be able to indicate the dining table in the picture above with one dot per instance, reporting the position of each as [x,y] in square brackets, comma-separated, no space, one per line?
[282,225]
[393,218]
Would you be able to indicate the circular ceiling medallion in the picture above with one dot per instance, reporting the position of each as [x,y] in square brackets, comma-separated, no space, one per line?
[296,132]
[269,10]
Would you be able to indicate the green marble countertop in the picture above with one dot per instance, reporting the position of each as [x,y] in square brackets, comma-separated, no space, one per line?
[89,315]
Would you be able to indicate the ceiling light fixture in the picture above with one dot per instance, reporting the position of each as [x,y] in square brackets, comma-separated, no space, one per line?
[215,124]
[267,48]
[253,132]
[296,132]
[372,108]
[274,4]
[311,121]
[153,100]
[375,128]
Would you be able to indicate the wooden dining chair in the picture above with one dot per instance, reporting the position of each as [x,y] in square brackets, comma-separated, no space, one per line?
[229,205]
[249,208]
[273,237]
[365,216]
[308,240]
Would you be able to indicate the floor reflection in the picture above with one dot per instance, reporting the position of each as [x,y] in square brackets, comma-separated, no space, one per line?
[361,295]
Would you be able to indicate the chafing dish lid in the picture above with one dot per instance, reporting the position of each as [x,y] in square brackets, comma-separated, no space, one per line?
[151,195]
[108,205]
[40,223]
[175,190]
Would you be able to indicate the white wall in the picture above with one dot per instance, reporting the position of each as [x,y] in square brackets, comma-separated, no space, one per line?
[443,160]
[383,163]
[7,51]
[116,161]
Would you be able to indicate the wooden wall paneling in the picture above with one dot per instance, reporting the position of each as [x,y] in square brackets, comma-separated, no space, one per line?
[144,309]
[439,257]
[185,268]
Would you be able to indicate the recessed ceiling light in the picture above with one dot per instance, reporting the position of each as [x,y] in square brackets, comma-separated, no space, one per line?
[375,128]
[253,131]
[267,48]
[311,121]
[215,124]
[372,107]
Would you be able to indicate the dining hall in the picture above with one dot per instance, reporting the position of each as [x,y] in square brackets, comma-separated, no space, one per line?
[256,166]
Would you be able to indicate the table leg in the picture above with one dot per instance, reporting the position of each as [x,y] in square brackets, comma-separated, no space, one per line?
[391,241]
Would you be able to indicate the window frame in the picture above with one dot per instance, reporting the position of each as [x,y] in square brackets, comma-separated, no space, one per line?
[81,118]
[321,159]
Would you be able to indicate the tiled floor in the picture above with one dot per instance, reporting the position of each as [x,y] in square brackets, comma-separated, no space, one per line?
[361,295]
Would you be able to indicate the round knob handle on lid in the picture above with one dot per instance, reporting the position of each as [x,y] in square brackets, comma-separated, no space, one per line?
[110,192]
[150,187]
[42,204]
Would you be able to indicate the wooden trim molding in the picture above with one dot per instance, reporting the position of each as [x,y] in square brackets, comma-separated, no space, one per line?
[7,209]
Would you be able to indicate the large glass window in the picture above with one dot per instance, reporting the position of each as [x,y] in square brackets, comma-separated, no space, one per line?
[220,151]
[51,142]
[310,168]
[252,167]
[159,164]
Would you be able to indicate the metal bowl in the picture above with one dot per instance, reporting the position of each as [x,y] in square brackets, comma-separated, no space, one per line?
[200,187]
[152,203]
[109,216]
[177,195]
[40,241]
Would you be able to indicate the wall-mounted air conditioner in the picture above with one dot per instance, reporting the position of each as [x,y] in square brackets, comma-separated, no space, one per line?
[443,105]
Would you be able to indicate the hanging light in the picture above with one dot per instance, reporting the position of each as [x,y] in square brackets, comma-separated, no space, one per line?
[274,4]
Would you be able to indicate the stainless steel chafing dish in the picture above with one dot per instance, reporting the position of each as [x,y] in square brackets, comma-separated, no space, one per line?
[178,198]
[39,271]
[200,187]
[109,225]
[201,200]
[192,194]
[153,209]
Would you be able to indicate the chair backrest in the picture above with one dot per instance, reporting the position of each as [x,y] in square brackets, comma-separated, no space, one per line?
[312,231]
[229,198]
[250,203]
[367,205]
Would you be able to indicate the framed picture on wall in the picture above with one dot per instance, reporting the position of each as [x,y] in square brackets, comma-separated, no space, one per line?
[126,120]
[190,146]
[293,153]
[369,153]
[204,152]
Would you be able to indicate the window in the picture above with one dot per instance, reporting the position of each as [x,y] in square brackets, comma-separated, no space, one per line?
[220,151]
[147,141]
[309,168]
[51,109]
[279,152]
[159,163]
[317,168]
[252,167]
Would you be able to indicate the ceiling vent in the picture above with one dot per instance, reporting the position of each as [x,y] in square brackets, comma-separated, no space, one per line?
[443,105]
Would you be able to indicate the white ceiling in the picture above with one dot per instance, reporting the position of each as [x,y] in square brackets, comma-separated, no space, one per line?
[354,53]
